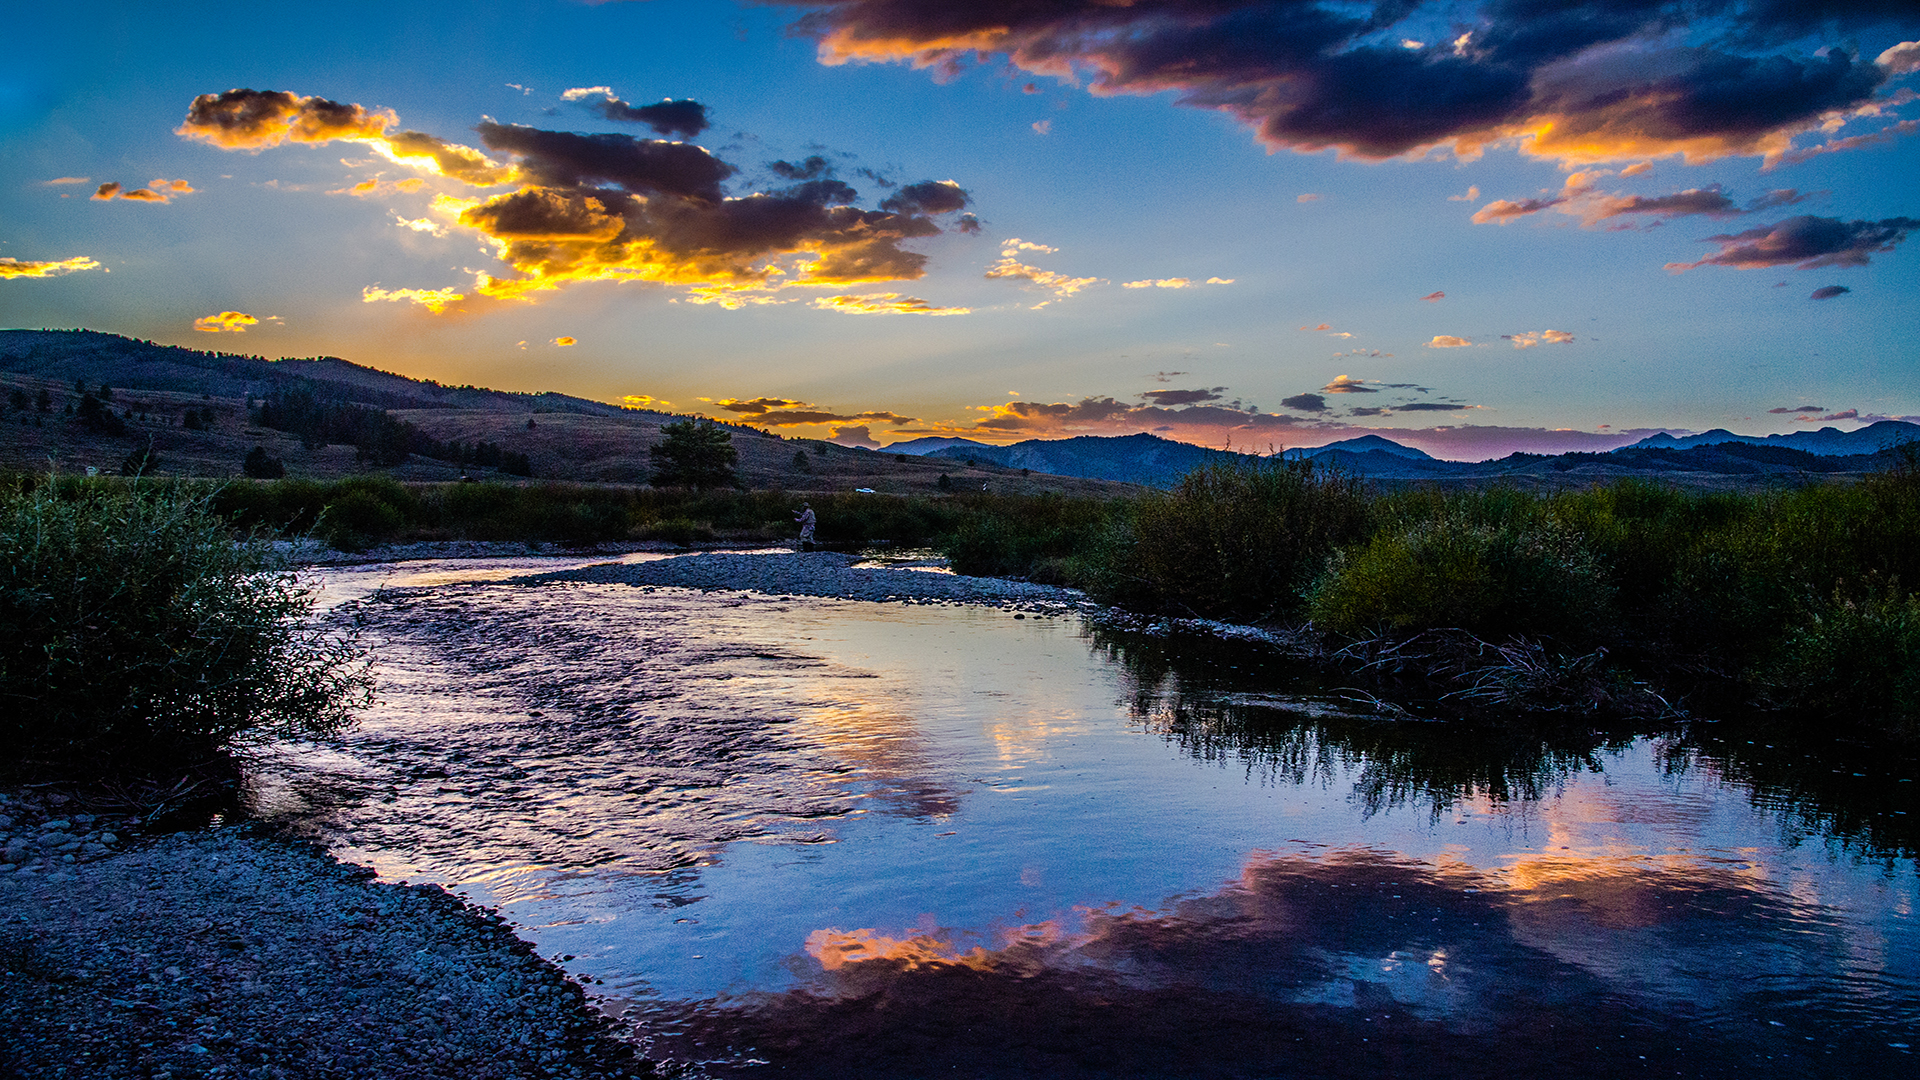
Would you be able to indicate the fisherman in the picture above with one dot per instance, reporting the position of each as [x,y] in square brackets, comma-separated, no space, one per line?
[806,519]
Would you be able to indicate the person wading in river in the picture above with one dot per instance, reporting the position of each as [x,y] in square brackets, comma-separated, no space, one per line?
[806,519]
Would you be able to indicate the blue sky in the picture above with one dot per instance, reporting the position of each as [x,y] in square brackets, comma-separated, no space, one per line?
[992,178]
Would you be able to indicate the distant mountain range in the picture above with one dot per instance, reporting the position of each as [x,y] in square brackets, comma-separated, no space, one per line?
[1826,441]
[608,442]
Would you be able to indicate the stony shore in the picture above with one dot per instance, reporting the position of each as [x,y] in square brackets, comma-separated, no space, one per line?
[821,573]
[228,952]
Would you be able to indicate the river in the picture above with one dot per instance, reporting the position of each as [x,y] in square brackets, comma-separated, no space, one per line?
[833,838]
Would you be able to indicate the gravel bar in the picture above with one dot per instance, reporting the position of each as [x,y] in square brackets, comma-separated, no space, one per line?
[820,573]
[230,953]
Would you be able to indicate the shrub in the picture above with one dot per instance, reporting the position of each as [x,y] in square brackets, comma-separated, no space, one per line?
[1491,565]
[137,637]
[1856,658]
[1241,539]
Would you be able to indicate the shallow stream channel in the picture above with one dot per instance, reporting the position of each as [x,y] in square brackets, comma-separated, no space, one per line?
[788,835]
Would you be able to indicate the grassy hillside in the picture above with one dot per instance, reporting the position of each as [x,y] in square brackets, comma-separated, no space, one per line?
[162,397]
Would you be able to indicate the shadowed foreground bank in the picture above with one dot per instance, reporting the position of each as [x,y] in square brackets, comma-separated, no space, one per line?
[228,953]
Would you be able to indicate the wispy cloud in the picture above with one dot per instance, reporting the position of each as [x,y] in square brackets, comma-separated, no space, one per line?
[884,304]
[1009,267]
[1347,384]
[28,268]
[1158,283]
[434,300]
[1542,337]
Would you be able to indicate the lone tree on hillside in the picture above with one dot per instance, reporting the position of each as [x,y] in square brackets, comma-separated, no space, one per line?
[695,454]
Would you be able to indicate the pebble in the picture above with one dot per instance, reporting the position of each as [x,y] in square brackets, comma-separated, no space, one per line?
[231,952]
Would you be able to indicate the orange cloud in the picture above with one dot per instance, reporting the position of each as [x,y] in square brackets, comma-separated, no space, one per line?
[884,304]
[1163,283]
[1448,341]
[257,119]
[230,322]
[159,191]
[27,268]
[564,341]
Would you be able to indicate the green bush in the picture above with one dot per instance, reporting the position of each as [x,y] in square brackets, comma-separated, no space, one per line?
[1854,658]
[137,636]
[1461,570]
[1234,540]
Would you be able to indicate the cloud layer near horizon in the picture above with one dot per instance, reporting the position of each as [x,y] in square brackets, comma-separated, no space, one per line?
[1573,80]
[610,206]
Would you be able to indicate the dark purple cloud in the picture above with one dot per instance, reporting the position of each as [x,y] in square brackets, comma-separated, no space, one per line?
[812,168]
[1828,292]
[1310,403]
[927,197]
[569,159]
[1583,80]
[1807,242]
[1182,397]
[684,118]
[1798,409]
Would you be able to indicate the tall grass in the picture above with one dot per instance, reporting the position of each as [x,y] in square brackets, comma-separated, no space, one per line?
[1232,540]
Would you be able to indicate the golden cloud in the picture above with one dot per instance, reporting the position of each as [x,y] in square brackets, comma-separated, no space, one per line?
[230,322]
[885,304]
[1448,341]
[434,300]
[563,341]
[611,207]
[1009,267]
[1162,283]
[27,268]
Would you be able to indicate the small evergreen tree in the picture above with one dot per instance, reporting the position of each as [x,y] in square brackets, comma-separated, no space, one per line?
[260,465]
[696,454]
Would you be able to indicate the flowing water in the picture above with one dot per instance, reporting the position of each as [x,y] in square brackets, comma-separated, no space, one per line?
[829,838]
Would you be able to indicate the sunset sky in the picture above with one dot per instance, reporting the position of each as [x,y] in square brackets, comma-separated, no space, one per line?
[1473,227]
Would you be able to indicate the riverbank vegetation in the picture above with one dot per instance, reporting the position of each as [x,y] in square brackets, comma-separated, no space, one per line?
[139,639]
[1627,599]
